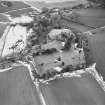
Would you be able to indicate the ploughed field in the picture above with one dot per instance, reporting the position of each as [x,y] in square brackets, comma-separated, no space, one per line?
[73,91]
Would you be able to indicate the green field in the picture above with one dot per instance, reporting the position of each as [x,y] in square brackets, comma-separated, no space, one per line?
[74,91]
[15,6]
[16,88]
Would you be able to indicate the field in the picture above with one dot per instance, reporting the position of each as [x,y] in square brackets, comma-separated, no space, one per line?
[41,4]
[15,6]
[71,57]
[97,48]
[4,18]
[92,17]
[73,91]
[75,26]
[16,88]
[2,28]
[18,13]
[88,19]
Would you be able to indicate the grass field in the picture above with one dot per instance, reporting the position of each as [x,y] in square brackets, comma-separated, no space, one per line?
[97,48]
[73,91]
[16,88]
[4,18]
[15,6]
[18,13]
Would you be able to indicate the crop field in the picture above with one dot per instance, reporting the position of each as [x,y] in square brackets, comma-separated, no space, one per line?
[73,91]
[2,28]
[16,88]
[4,18]
[18,13]
[97,48]
[15,6]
